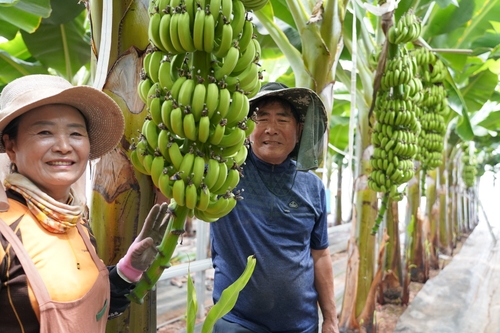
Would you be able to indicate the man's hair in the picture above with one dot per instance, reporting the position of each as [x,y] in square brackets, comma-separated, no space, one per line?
[273,99]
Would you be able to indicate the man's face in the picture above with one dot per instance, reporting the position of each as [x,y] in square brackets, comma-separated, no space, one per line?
[276,132]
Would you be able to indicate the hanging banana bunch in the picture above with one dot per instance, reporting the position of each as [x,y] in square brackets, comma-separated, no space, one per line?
[397,127]
[469,165]
[201,69]
[434,106]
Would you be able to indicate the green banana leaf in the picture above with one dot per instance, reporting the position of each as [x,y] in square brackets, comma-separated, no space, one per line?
[192,305]
[229,296]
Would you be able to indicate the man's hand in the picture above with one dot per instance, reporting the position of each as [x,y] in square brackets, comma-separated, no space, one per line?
[143,250]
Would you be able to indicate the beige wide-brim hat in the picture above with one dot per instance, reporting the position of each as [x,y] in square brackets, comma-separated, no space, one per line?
[104,117]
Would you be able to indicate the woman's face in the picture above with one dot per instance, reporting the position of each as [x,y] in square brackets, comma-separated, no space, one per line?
[276,133]
[51,149]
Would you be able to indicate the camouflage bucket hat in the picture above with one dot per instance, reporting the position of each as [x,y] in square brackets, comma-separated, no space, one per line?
[312,113]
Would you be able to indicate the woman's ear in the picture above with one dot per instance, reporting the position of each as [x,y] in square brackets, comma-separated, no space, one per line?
[8,143]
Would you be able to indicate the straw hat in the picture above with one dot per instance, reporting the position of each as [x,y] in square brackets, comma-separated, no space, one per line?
[300,98]
[104,117]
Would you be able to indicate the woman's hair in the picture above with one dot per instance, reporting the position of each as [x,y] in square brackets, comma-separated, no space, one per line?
[11,129]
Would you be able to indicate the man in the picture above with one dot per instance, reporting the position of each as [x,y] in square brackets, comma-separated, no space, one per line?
[282,220]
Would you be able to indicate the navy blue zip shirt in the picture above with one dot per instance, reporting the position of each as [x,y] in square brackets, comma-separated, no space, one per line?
[281,218]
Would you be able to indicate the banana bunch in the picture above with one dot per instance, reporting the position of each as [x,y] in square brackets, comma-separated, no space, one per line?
[399,71]
[469,165]
[434,106]
[395,144]
[406,30]
[397,127]
[196,80]
[424,56]
[221,28]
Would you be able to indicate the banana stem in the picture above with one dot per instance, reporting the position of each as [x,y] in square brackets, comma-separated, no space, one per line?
[202,61]
[381,213]
[422,181]
[162,260]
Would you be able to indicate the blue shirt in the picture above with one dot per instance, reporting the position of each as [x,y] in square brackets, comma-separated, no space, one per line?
[281,218]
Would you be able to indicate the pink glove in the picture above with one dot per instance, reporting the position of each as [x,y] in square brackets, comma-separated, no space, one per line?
[143,250]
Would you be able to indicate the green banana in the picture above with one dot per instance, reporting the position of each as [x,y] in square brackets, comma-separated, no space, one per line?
[217,133]
[232,179]
[147,162]
[246,36]
[241,156]
[184,30]
[189,126]
[216,206]
[174,152]
[226,39]
[165,184]
[179,192]
[176,122]
[202,217]
[198,100]
[198,29]
[209,33]
[154,65]
[142,148]
[154,29]
[186,92]
[186,165]
[221,178]
[150,130]
[166,109]
[203,197]
[227,8]
[224,101]
[228,64]
[212,97]
[155,109]
[215,8]
[163,141]
[212,173]
[232,136]
[164,31]
[143,88]
[190,7]
[198,171]
[246,58]
[231,151]
[157,167]
[248,81]
[134,159]
[174,32]
[203,129]
[164,79]
[177,87]
[191,196]
[238,110]
[239,15]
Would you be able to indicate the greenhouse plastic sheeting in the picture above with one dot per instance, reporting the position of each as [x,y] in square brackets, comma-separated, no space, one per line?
[465,296]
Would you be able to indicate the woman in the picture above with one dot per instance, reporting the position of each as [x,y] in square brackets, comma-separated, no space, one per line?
[51,279]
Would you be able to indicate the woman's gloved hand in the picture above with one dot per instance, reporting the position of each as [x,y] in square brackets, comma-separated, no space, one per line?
[143,250]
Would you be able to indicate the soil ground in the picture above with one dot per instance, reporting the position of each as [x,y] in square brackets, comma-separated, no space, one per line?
[386,315]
